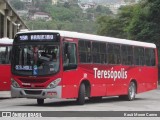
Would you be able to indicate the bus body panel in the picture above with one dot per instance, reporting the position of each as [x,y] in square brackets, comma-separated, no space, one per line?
[5,67]
[70,86]
[101,84]
[147,81]
[5,77]
[37,93]
[108,87]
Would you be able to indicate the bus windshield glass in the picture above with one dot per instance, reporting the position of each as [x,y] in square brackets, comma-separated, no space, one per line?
[35,59]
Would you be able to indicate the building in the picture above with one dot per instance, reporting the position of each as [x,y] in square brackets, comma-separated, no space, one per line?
[22,13]
[28,3]
[10,21]
[54,2]
[86,6]
[41,16]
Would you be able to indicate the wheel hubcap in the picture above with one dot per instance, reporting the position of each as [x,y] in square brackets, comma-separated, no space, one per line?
[132,90]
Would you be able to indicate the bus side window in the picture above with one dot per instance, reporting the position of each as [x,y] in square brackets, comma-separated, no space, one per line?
[3,55]
[9,54]
[84,48]
[139,56]
[150,57]
[69,56]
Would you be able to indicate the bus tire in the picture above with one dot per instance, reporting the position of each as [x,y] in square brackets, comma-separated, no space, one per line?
[131,92]
[81,95]
[40,101]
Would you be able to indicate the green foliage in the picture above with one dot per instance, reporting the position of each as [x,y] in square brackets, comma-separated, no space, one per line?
[17,4]
[100,11]
[138,22]
[42,25]
[61,13]
[67,16]
[145,24]
[115,26]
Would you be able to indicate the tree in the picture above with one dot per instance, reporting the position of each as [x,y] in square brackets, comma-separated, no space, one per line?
[145,24]
[109,26]
[138,22]
[18,5]
[67,5]
[40,24]
[115,26]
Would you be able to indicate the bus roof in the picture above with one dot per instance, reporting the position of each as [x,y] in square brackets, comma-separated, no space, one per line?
[95,38]
[6,41]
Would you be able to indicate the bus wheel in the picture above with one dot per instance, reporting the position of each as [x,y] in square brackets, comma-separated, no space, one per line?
[131,91]
[81,95]
[40,101]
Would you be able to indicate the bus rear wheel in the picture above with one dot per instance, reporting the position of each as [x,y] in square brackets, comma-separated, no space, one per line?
[131,92]
[81,95]
[40,101]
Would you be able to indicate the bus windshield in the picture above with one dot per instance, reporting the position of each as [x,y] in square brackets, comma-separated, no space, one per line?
[35,60]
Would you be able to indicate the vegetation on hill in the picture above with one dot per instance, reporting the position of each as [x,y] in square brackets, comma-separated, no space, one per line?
[65,16]
[137,22]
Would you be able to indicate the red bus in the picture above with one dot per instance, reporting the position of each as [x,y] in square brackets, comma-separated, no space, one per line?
[5,75]
[63,64]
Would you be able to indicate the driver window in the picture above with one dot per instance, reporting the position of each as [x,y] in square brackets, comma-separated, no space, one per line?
[69,56]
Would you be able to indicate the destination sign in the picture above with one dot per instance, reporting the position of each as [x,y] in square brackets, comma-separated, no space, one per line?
[38,37]
[23,37]
[42,37]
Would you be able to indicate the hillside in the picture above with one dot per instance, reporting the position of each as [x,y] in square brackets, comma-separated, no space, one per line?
[62,16]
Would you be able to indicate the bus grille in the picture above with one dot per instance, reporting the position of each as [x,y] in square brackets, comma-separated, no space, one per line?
[33,92]
[28,80]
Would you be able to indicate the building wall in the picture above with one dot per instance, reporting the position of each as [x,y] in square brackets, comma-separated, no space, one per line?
[10,22]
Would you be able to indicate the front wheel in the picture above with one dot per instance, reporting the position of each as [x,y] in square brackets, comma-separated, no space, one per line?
[81,95]
[40,101]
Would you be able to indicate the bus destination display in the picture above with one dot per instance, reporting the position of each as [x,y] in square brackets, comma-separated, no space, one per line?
[45,37]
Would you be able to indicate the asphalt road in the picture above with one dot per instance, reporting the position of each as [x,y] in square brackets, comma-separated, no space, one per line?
[148,101]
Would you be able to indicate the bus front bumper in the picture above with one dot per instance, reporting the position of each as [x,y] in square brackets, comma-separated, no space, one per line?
[36,93]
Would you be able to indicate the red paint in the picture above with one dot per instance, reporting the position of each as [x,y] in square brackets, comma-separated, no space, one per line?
[5,77]
[145,77]
[5,73]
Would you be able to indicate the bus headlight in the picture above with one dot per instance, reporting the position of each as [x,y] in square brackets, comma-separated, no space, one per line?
[14,83]
[54,83]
